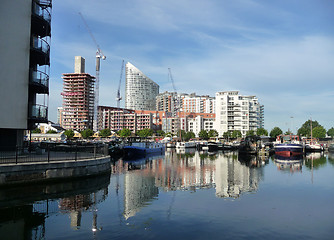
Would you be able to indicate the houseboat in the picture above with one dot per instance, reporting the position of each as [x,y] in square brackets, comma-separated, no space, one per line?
[288,145]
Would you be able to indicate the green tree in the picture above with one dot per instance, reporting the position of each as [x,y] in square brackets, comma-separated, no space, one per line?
[288,132]
[36,130]
[87,133]
[261,132]
[212,133]
[330,132]
[318,132]
[69,134]
[105,132]
[51,131]
[227,134]
[124,132]
[275,132]
[305,129]
[189,135]
[250,133]
[160,133]
[145,132]
[203,134]
[236,134]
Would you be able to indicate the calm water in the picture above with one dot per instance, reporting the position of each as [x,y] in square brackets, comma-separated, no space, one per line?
[189,195]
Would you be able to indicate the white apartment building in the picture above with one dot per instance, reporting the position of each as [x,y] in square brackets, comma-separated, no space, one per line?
[200,123]
[237,112]
[140,91]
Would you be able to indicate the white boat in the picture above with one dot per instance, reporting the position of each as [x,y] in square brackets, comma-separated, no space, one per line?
[312,145]
[185,145]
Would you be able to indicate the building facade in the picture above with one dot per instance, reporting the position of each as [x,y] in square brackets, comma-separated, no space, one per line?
[117,119]
[237,112]
[140,91]
[197,104]
[78,98]
[24,67]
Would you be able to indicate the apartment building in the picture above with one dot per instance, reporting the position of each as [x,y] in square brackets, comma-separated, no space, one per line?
[183,102]
[135,120]
[25,32]
[78,98]
[140,91]
[198,104]
[237,112]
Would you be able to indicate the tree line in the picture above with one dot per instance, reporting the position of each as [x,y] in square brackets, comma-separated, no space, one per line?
[318,131]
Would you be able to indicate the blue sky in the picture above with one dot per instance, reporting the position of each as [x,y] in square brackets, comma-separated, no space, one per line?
[280,51]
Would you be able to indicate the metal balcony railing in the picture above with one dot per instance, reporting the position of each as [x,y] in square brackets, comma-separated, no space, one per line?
[40,77]
[39,111]
[41,9]
[40,44]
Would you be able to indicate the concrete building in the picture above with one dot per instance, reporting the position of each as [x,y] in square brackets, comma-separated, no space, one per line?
[197,104]
[237,112]
[168,102]
[78,98]
[183,102]
[60,115]
[140,91]
[24,67]
[116,119]
[199,123]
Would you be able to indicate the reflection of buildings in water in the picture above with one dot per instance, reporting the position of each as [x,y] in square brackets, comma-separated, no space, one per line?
[22,222]
[234,178]
[139,189]
[78,203]
[184,172]
[25,208]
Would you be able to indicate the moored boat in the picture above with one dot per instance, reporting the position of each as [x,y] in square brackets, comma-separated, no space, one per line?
[186,144]
[331,147]
[212,146]
[312,145]
[139,149]
[288,145]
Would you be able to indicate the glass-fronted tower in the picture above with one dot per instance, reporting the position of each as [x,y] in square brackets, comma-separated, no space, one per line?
[140,91]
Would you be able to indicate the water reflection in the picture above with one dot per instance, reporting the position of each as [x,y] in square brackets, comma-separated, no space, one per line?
[24,210]
[289,164]
[187,170]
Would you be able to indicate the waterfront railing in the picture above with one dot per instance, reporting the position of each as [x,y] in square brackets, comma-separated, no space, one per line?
[51,153]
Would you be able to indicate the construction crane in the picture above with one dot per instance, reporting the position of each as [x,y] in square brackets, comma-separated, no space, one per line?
[99,55]
[118,96]
[176,102]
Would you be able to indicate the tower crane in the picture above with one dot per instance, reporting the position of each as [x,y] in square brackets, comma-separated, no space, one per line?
[176,104]
[99,55]
[118,96]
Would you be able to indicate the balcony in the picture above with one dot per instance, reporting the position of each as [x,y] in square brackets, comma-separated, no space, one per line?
[40,51]
[39,81]
[41,18]
[38,113]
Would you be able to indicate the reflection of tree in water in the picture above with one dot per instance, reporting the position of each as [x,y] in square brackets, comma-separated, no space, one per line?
[315,163]
[331,158]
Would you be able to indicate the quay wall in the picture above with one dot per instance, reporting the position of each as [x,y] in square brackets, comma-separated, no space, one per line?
[32,172]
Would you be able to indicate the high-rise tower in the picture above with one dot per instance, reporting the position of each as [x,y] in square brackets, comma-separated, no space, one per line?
[140,91]
[78,98]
